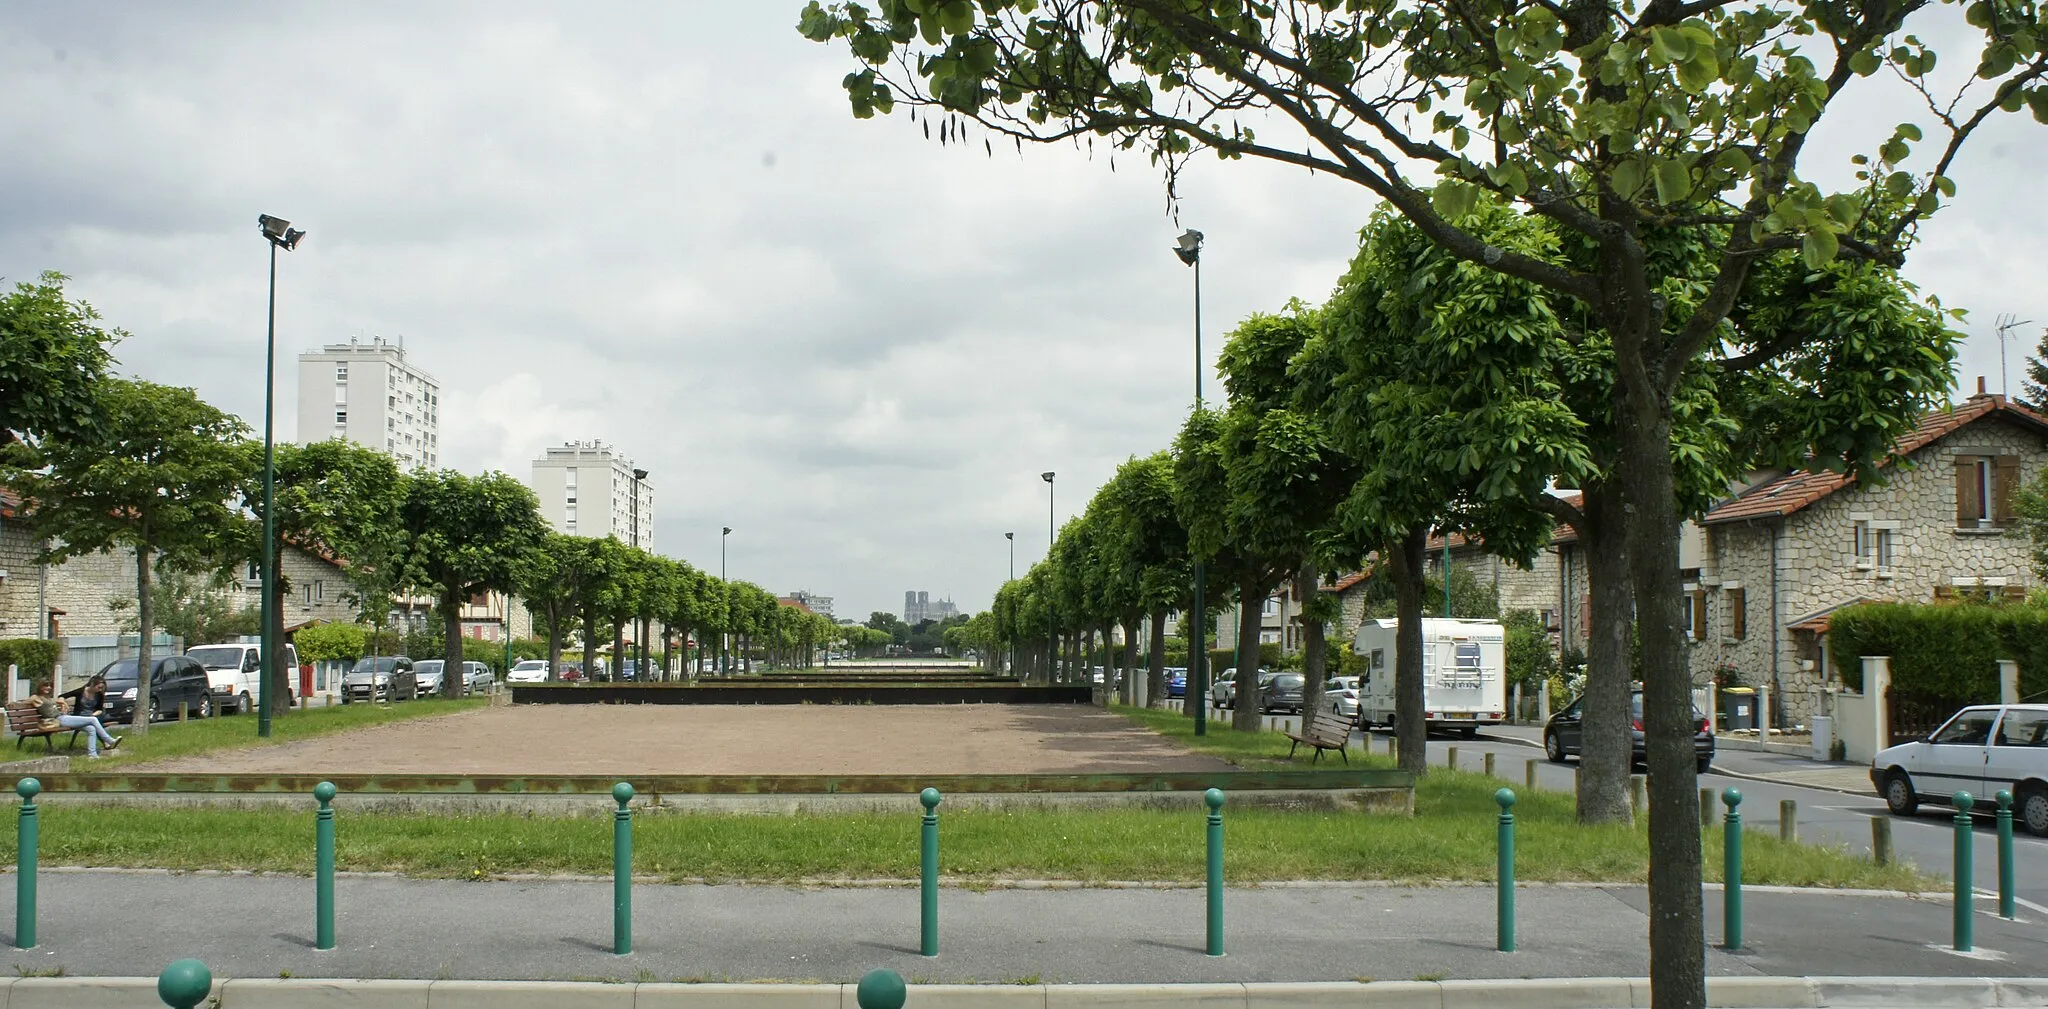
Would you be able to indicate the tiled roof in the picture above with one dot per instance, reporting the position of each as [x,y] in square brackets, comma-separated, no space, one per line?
[1794,491]
[1818,622]
[10,503]
[1459,541]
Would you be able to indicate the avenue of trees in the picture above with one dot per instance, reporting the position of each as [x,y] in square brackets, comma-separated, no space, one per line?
[103,462]
[1628,182]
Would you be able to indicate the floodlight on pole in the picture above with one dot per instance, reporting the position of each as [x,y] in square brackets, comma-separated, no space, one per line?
[281,235]
[1051,634]
[1189,248]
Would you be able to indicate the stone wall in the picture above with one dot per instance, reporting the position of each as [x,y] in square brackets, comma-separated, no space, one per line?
[20,611]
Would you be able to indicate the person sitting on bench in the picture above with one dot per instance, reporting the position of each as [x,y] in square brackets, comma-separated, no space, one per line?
[49,708]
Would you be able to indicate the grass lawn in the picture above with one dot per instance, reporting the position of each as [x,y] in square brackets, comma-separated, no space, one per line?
[232,732]
[1451,837]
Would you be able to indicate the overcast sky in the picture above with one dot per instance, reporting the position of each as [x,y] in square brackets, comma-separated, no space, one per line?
[658,226]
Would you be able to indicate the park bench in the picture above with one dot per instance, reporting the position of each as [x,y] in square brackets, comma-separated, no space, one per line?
[1326,730]
[25,723]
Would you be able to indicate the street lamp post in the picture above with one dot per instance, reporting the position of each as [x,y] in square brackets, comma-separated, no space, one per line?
[640,627]
[1052,637]
[1012,537]
[724,659]
[281,235]
[1189,249]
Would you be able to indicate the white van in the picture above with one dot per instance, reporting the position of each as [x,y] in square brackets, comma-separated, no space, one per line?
[1464,673]
[234,673]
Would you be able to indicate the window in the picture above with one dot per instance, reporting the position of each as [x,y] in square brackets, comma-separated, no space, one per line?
[1379,658]
[2023,728]
[341,372]
[1985,485]
[1738,612]
[340,418]
[569,514]
[1971,728]
[1882,547]
[1549,618]
[1466,656]
[255,571]
[1863,544]
[1696,613]
[320,591]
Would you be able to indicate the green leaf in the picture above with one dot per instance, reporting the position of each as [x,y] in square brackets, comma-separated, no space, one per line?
[1673,181]
[1818,248]
[1626,179]
[1864,62]
[2037,100]
[1453,200]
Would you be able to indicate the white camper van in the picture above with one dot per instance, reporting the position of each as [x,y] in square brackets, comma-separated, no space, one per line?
[1464,673]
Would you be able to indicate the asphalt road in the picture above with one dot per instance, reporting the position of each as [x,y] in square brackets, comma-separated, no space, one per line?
[111,923]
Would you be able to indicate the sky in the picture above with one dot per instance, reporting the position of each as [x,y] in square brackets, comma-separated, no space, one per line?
[657,225]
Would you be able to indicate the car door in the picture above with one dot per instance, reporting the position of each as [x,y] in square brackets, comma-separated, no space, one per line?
[2018,751]
[192,676]
[1954,757]
[1569,726]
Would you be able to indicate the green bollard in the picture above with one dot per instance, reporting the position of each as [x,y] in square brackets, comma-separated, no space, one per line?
[25,866]
[1731,872]
[1214,798]
[1965,871]
[928,874]
[1504,925]
[184,984]
[622,870]
[2006,885]
[323,867]
[880,989]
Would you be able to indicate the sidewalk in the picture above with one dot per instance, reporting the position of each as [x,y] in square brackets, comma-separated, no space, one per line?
[131,923]
[1745,760]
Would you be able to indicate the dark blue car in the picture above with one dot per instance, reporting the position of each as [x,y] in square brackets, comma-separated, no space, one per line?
[1176,683]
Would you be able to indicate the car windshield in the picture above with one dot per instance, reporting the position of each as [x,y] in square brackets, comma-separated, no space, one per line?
[121,672]
[1287,682]
[216,656]
[1635,708]
[383,665]
[531,664]
[427,667]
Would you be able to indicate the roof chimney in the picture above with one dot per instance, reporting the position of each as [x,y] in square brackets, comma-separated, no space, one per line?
[1980,385]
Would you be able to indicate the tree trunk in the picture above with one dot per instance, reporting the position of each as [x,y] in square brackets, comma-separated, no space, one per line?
[1155,664]
[618,667]
[275,669]
[554,641]
[1677,942]
[589,642]
[1314,650]
[1405,561]
[1251,599]
[1127,670]
[1606,748]
[144,615]
[452,676]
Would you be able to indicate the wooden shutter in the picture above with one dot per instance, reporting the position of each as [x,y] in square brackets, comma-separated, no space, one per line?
[1968,507]
[1738,613]
[1586,616]
[1699,615]
[2005,484]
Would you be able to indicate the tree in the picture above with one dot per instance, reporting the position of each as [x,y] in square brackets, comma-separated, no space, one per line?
[330,643]
[551,578]
[1612,123]
[196,607]
[2034,386]
[466,536]
[156,478]
[53,356]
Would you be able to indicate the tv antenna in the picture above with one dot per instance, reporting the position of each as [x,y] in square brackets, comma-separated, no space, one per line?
[2006,324]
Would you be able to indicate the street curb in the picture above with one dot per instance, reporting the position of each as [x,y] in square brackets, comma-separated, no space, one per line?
[1512,993]
[1723,772]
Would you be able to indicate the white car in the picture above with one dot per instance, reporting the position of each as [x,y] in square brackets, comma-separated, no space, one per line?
[1981,750]
[528,671]
[1342,696]
[234,673]
[478,678]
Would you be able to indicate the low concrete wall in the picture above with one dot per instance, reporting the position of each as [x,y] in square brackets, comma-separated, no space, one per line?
[813,692]
[1520,993]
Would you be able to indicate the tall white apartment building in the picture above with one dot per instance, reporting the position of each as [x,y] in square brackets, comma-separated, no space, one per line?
[367,394]
[586,489]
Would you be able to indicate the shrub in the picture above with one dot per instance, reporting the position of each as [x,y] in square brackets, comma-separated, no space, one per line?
[1948,652]
[36,656]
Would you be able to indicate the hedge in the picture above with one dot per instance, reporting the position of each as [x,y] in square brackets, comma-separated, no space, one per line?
[1949,651]
[36,656]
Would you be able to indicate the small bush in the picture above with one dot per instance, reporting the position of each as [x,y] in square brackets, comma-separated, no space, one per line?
[36,657]
[1945,651]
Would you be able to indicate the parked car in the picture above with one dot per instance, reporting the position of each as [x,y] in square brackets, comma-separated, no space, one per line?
[528,671]
[1562,736]
[1283,693]
[427,672]
[174,678]
[1176,682]
[385,678]
[1982,750]
[478,678]
[1223,689]
[234,673]
[1342,696]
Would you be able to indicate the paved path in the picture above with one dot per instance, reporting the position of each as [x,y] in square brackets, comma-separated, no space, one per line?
[111,923]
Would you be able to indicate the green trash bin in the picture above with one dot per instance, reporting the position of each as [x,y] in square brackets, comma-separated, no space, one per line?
[1738,708]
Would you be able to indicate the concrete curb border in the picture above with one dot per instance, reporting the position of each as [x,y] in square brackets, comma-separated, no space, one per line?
[1536,993]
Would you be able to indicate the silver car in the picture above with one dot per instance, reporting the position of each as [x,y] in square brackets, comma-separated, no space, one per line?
[385,678]
[428,673]
[478,678]
[1982,750]
[1342,696]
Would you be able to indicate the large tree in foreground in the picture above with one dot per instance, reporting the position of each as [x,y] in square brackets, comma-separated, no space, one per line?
[1611,120]
[156,477]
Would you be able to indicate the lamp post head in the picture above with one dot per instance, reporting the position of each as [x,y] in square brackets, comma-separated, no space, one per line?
[1046,476]
[1010,536]
[280,232]
[639,474]
[1189,246]
[725,531]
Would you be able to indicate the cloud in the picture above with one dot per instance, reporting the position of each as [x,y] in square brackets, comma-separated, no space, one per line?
[659,227]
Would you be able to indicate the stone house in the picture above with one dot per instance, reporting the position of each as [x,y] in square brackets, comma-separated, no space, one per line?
[1777,559]
[1540,588]
[22,611]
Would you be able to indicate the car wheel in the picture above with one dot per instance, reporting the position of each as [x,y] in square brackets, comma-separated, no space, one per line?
[153,710]
[2034,810]
[1705,764]
[206,707]
[1553,748]
[244,705]
[1470,733]
[1898,794]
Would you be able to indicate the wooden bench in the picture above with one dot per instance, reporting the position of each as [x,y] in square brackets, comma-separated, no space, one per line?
[23,721]
[1326,730]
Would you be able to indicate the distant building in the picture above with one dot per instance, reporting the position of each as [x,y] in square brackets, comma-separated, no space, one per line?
[821,605]
[366,393]
[918,607]
[586,489]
